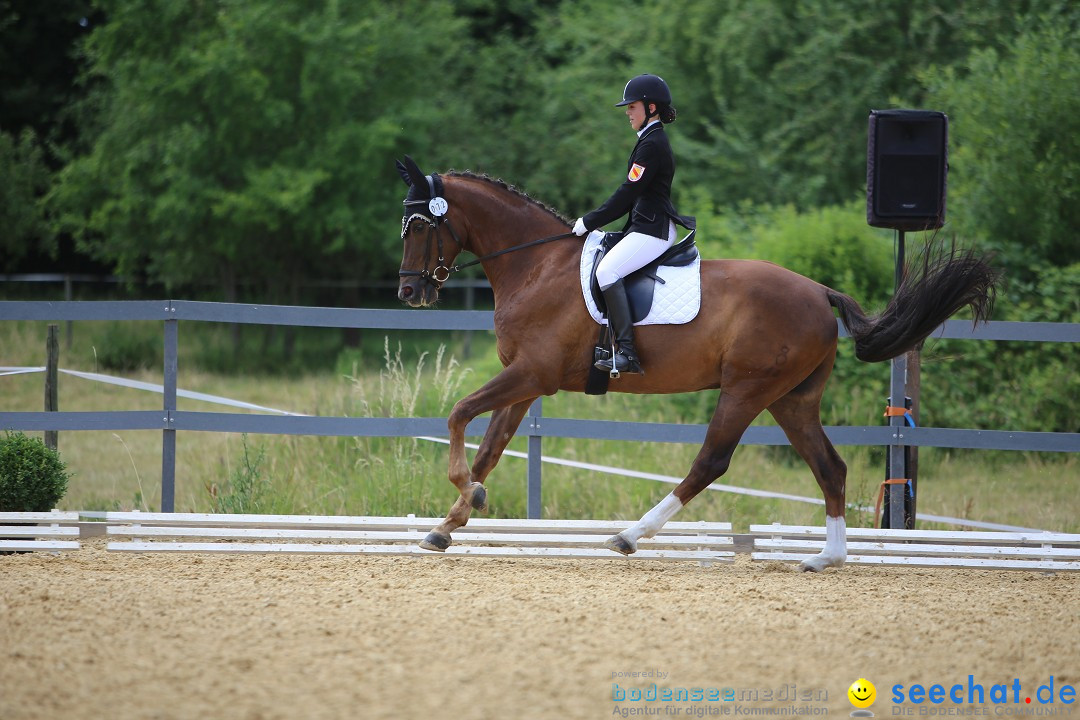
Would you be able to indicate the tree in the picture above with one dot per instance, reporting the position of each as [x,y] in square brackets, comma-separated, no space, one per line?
[38,65]
[255,139]
[23,178]
[549,88]
[1015,136]
[778,92]
[773,94]
[37,68]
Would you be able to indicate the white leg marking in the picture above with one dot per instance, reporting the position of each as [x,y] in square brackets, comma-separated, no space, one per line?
[651,522]
[835,552]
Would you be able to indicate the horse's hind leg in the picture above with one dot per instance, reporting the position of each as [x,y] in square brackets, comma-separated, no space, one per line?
[799,414]
[728,423]
[504,423]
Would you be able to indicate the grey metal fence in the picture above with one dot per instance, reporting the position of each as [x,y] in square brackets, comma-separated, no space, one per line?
[170,420]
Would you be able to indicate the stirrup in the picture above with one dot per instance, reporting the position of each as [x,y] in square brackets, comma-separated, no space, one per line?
[623,362]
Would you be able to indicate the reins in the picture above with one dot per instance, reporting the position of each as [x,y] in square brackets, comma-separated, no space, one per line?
[441,273]
[497,253]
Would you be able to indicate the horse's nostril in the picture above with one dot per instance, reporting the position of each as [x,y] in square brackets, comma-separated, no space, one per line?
[406,291]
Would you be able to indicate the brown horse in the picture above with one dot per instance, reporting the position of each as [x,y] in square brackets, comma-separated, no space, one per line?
[765,336]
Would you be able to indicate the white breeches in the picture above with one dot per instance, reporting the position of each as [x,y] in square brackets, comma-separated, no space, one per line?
[633,252]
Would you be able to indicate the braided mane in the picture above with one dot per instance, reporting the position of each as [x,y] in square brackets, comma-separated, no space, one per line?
[511,189]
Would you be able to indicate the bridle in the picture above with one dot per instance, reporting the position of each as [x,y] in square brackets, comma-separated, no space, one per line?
[441,272]
[438,208]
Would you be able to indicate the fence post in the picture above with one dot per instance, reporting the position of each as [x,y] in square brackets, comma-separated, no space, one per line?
[168,435]
[535,503]
[914,386]
[897,465]
[52,362]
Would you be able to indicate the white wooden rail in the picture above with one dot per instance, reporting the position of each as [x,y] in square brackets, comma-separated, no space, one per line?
[24,531]
[697,541]
[191,532]
[926,548]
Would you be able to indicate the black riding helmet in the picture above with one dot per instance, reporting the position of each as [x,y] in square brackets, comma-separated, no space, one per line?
[648,89]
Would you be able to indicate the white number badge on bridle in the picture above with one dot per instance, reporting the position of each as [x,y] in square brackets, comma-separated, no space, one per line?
[437,206]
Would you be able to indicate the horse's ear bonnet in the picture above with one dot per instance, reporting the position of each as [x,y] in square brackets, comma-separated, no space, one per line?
[412,175]
[403,172]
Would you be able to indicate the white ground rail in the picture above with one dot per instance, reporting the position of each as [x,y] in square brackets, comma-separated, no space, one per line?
[28,531]
[190,532]
[926,548]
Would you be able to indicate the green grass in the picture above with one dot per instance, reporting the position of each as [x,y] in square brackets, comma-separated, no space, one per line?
[396,476]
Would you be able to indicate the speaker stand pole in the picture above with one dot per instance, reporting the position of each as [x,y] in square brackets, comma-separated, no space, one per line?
[897,394]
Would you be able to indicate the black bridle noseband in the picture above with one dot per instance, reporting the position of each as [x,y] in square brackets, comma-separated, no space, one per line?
[438,207]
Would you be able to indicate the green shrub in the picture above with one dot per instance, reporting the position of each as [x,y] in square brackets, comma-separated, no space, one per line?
[33,478]
[1010,385]
[831,245]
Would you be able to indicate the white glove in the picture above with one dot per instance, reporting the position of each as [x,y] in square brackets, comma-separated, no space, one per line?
[579,227]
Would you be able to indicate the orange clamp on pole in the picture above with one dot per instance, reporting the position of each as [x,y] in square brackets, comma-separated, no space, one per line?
[881,496]
[891,411]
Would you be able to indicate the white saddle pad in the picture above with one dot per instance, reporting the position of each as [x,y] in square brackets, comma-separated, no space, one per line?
[675,301]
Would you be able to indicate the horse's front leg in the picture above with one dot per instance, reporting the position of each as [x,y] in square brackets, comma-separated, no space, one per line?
[504,423]
[510,395]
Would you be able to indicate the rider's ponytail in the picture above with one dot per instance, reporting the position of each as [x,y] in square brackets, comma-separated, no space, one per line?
[667,114]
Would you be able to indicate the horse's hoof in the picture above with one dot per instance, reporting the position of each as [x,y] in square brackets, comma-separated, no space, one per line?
[820,562]
[435,541]
[479,497]
[620,545]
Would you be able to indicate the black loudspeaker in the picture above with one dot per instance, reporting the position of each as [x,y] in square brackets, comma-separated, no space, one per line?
[906,167]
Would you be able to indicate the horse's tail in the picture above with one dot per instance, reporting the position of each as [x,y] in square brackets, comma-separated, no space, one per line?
[946,281]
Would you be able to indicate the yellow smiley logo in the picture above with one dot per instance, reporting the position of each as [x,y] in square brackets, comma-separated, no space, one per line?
[862,693]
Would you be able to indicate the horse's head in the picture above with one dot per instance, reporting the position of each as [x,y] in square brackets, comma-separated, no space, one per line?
[430,242]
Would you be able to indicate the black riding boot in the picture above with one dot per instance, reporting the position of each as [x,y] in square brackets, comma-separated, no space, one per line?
[622,330]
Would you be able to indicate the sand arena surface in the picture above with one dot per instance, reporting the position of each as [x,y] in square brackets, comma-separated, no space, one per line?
[95,634]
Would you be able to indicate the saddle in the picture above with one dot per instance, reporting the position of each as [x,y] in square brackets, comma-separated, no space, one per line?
[640,288]
[641,284]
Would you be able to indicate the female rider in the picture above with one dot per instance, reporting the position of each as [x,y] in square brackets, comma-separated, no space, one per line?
[646,196]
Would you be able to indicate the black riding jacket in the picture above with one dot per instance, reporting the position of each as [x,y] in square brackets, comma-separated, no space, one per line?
[646,192]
